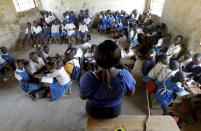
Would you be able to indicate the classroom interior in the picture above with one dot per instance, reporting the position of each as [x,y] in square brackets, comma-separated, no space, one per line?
[17,113]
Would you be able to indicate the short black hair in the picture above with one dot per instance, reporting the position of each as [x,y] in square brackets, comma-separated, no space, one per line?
[174,65]
[107,54]
[31,54]
[179,76]
[4,50]
[93,47]
[197,56]
[45,47]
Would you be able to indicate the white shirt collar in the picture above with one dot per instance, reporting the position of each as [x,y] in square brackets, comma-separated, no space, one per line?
[17,70]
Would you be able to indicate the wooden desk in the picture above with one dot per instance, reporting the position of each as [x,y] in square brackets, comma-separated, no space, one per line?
[133,123]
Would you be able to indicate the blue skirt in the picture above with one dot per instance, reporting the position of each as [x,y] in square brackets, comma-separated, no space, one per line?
[38,36]
[102,27]
[63,34]
[54,35]
[58,90]
[29,87]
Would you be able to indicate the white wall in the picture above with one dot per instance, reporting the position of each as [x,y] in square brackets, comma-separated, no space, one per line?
[59,6]
[12,23]
[184,17]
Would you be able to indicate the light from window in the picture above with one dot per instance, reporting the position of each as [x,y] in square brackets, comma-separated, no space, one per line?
[22,5]
[157,7]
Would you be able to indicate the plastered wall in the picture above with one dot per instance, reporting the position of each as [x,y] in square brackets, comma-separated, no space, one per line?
[12,23]
[184,17]
[59,6]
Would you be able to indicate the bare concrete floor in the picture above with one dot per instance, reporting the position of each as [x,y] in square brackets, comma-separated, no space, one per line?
[17,113]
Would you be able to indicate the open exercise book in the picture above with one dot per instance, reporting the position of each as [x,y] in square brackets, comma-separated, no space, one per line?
[47,80]
[183,93]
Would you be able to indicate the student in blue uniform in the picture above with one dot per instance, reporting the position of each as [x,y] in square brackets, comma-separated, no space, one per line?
[3,68]
[37,33]
[89,60]
[149,63]
[28,34]
[46,33]
[69,59]
[104,89]
[194,67]
[65,18]
[81,16]
[72,17]
[22,75]
[165,94]
[103,23]
[8,57]
[156,70]
[110,21]
[165,73]
[62,81]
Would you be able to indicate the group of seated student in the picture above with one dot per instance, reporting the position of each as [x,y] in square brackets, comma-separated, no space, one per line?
[70,29]
[167,64]
[60,70]
[169,71]
[7,63]
[116,21]
[140,30]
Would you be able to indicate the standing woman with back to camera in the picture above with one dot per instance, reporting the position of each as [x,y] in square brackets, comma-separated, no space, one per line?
[103,89]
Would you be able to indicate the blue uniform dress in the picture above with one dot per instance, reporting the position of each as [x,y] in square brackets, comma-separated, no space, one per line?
[58,90]
[100,96]
[109,22]
[119,27]
[46,33]
[9,58]
[103,24]
[165,94]
[26,86]
[72,18]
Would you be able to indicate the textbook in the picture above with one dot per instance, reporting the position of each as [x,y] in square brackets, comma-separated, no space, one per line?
[47,80]
[183,93]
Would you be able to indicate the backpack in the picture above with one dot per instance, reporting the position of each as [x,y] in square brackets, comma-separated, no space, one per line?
[72,70]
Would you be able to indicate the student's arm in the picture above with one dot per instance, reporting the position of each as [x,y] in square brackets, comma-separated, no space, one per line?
[86,30]
[31,69]
[53,74]
[79,29]
[130,83]
[42,62]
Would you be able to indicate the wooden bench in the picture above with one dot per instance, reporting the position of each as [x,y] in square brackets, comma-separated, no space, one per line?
[133,123]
